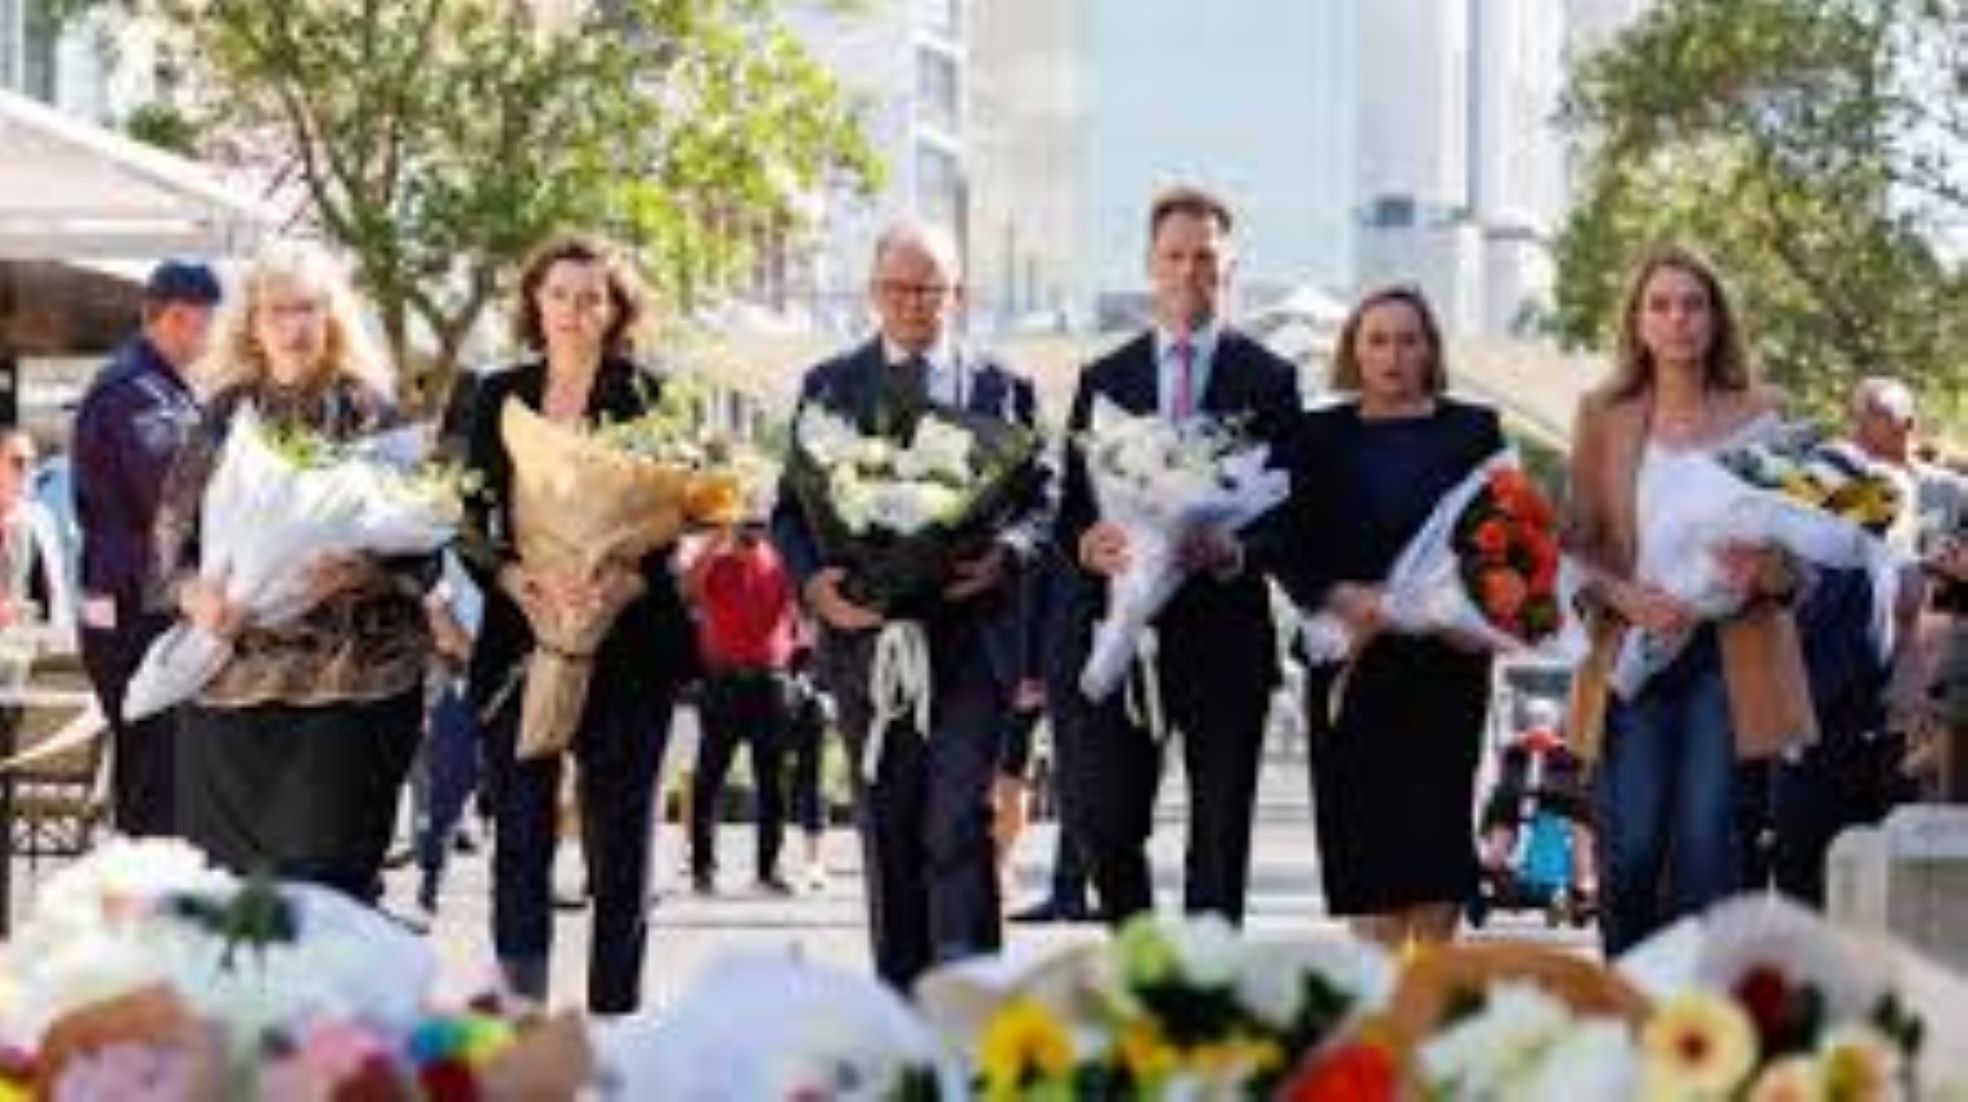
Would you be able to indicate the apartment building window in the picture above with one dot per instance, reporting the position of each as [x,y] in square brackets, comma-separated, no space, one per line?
[939,186]
[942,17]
[938,94]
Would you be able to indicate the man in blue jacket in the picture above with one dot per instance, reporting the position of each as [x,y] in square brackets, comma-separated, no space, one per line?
[136,414]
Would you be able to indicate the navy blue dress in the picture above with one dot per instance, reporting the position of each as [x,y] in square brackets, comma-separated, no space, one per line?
[1395,749]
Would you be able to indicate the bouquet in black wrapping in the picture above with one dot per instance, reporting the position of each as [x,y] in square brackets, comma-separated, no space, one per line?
[896,510]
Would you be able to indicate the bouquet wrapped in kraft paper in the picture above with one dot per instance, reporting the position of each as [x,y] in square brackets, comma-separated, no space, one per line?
[580,502]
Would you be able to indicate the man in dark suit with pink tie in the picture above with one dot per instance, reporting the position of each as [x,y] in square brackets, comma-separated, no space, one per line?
[1216,657]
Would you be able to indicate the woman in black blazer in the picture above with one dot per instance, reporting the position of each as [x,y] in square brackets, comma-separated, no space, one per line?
[577,306]
[1394,756]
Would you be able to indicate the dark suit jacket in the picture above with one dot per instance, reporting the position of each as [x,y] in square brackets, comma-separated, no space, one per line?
[852,385]
[1226,622]
[652,646]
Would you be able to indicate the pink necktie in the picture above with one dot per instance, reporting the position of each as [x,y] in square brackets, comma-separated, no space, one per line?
[1183,403]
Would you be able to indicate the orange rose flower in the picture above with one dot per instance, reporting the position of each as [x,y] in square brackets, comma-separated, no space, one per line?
[1502,594]
[1492,539]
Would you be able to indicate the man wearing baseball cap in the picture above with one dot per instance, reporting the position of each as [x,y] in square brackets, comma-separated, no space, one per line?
[135,416]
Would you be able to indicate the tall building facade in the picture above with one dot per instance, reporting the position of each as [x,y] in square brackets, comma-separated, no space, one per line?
[1026,148]
[1462,168]
[1255,99]
[906,62]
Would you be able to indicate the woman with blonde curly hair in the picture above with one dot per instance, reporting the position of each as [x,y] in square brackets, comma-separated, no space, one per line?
[291,759]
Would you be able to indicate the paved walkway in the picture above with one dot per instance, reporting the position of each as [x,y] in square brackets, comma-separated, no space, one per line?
[691,932]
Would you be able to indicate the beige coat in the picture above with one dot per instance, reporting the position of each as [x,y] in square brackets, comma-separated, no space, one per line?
[1769,692]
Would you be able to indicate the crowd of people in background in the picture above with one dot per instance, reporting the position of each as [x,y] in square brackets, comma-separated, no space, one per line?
[1733,767]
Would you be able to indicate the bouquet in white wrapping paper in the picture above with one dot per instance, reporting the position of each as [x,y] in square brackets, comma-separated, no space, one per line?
[1698,504]
[1161,481]
[1485,565]
[278,499]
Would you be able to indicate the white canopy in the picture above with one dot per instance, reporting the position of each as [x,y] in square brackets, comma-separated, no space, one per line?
[73,191]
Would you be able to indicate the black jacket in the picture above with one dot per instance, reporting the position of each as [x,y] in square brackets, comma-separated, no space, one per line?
[1225,624]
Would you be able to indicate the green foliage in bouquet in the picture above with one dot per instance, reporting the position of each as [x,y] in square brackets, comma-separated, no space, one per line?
[255,917]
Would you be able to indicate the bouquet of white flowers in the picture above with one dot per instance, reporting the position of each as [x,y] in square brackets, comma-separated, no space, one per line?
[249,956]
[275,501]
[898,512]
[1710,502]
[778,1029]
[1160,481]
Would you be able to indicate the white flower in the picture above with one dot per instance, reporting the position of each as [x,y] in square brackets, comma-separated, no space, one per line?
[1595,1059]
[1208,952]
[1272,979]
[942,449]
[1495,1048]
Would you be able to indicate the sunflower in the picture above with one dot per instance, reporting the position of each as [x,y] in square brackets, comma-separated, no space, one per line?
[1024,1043]
[1697,1045]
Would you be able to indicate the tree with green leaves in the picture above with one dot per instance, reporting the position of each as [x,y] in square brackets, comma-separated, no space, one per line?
[1805,146]
[437,140]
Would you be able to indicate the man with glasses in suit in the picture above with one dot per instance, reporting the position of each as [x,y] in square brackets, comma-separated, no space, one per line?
[924,817]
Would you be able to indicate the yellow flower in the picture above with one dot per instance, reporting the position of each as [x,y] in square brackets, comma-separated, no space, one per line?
[1023,1042]
[1859,1065]
[1697,1045]
[1145,1053]
[1235,1059]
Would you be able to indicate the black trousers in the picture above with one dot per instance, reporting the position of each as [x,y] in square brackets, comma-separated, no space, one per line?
[143,755]
[1852,781]
[619,749]
[925,819]
[748,707]
[1111,767]
[308,793]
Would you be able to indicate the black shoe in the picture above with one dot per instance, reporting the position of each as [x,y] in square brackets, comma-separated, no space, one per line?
[703,883]
[774,885]
[1052,910]
[464,841]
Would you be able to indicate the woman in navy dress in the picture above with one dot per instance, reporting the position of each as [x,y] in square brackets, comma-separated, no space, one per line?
[1395,742]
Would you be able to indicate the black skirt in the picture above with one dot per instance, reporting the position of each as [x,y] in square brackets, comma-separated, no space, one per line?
[1394,773]
[307,793]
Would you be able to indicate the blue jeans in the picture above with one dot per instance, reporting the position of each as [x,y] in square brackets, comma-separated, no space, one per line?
[1664,800]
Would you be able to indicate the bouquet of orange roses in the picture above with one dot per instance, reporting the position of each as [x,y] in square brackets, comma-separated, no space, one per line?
[1506,550]
[1485,566]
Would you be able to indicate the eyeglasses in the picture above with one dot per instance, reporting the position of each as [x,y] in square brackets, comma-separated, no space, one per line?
[922,292]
